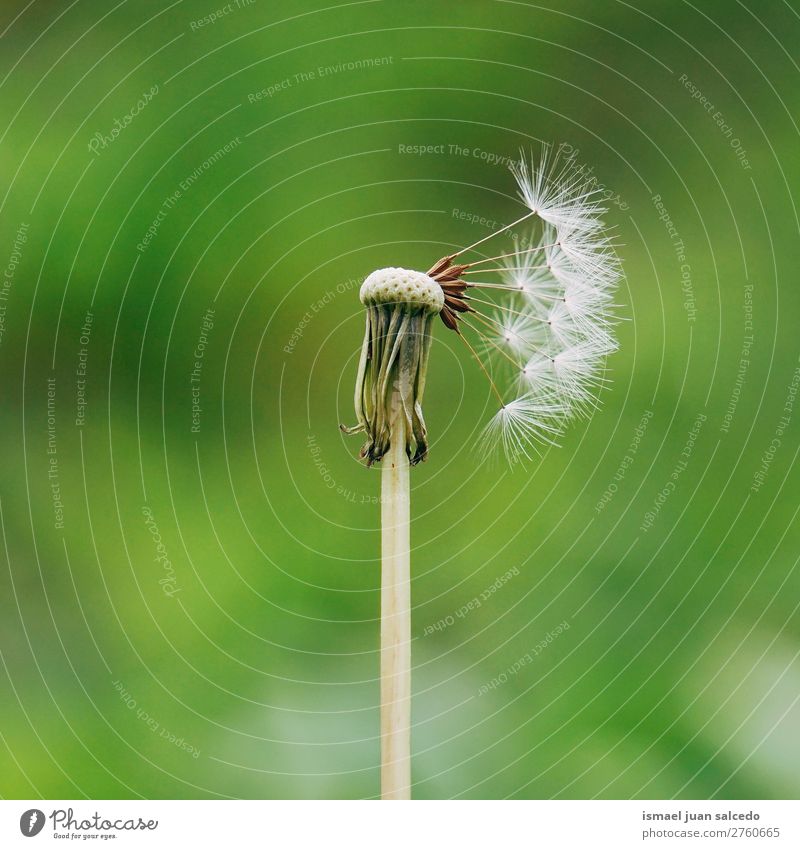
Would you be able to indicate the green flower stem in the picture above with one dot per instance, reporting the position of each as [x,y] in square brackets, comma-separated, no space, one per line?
[395,610]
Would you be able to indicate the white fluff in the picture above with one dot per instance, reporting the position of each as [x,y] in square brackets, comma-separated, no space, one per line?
[559,192]
[519,425]
[557,308]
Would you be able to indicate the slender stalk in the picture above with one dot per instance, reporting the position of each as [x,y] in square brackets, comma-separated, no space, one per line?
[527,250]
[395,612]
[504,268]
[494,233]
[479,361]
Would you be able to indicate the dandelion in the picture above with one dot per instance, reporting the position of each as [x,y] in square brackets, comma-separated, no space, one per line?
[538,320]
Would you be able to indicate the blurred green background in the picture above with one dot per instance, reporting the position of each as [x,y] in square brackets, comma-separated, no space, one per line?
[190,596]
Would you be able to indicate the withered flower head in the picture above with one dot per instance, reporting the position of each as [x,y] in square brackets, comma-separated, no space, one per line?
[401,305]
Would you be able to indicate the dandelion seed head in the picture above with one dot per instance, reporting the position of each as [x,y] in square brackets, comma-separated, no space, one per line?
[547,320]
[567,281]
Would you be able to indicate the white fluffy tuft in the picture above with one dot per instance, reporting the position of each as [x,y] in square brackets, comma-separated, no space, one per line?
[519,425]
[555,310]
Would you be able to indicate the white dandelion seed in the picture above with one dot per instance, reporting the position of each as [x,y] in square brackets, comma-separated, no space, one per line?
[578,371]
[519,424]
[562,328]
[590,254]
[515,331]
[559,192]
[588,308]
[529,270]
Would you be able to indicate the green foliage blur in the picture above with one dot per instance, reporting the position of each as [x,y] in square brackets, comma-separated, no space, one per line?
[191,197]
